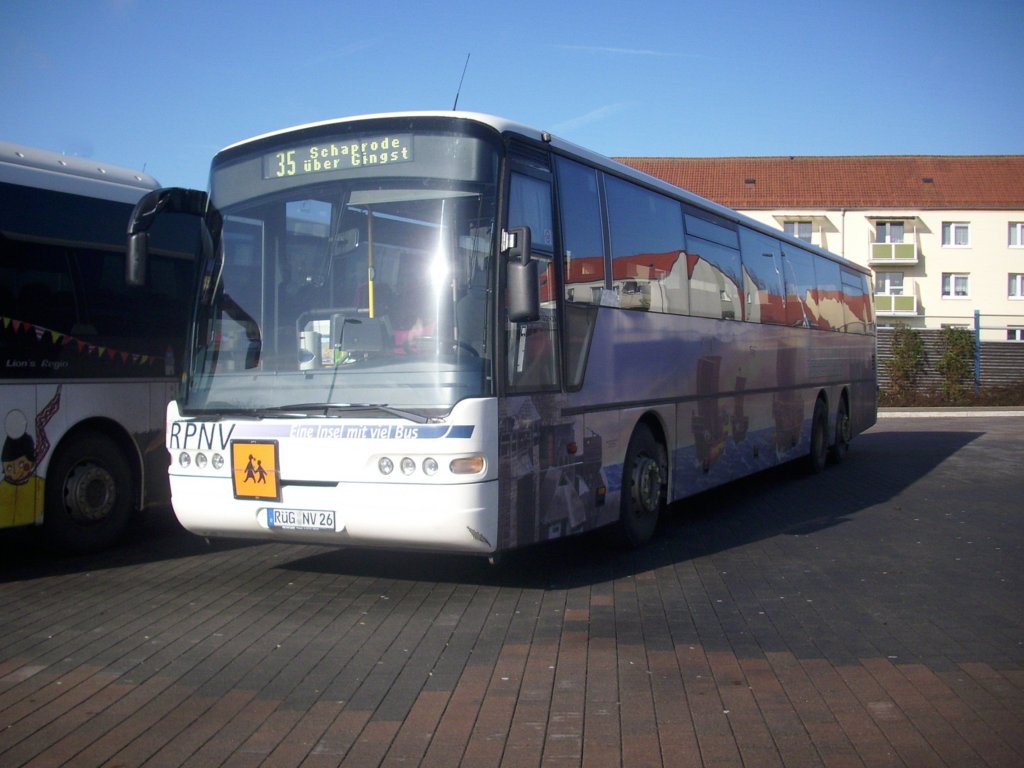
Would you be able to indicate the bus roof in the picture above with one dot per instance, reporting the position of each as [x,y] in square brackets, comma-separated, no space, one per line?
[43,169]
[510,127]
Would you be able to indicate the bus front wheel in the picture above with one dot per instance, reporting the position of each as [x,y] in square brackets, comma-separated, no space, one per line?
[644,485]
[88,495]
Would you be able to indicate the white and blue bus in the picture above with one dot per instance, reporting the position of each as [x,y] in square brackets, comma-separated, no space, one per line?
[87,364]
[448,331]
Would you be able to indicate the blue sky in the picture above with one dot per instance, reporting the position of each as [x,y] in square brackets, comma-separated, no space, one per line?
[164,85]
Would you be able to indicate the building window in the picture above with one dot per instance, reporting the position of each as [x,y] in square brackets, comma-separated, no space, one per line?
[798,229]
[889,283]
[955,285]
[1014,333]
[1016,288]
[1016,234]
[889,232]
[956,234]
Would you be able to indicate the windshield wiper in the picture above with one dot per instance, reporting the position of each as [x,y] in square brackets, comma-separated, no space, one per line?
[419,418]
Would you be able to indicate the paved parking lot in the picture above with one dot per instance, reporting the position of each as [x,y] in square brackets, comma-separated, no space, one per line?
[869,616]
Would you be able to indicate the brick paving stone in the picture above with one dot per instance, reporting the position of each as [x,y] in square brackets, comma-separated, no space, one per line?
[228,741]
[267,736]
[534,704]
[493,719]
[459,717]
[51,696]
[63,738]
[209,715]
[899,732]
[788,731]
[602,735]
[940,734]
[1007,723]
[962,717]
[677,739]
[417,730]
[372,744]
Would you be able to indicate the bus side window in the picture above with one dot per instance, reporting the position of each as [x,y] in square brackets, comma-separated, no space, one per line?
[856,305]
[583,261]
[647,247]
[763,287]
[801,288]
[582,238]
[713,255]
[831,312]
[41,287]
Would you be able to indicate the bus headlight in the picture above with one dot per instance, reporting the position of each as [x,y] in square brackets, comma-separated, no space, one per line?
[430,467]
[407,465]
[218,461]
[201,461]
[385,465]
[184,459]
[468,465]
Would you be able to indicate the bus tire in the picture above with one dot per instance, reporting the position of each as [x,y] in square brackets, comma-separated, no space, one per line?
[841,447]
[818,456]
[644,487]
[88,495]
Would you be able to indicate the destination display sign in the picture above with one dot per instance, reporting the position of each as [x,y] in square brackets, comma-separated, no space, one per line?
[327,156]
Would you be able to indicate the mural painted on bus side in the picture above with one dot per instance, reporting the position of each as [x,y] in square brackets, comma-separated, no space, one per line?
[24,449]
[555,468]
[564,476]
[732,397]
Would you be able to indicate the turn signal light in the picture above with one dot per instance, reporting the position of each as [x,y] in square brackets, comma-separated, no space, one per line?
[469,465]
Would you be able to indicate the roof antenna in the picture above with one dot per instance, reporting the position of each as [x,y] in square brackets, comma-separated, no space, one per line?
[464,68]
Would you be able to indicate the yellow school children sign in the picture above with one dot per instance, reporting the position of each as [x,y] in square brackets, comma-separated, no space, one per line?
[254,470]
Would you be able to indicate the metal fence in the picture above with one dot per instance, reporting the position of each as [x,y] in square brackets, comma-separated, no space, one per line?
[996,363]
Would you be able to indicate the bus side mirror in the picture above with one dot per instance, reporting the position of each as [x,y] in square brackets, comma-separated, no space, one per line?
[136,258]
[523,296]
[165,200]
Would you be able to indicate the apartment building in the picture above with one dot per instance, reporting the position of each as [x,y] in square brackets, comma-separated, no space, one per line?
[943,235]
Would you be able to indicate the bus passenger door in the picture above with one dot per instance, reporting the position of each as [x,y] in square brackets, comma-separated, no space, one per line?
[532,345]
[537,502]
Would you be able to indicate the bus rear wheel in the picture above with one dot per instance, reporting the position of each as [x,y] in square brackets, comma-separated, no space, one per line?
[644,486]
[842,445]
[818,456]
[88,495]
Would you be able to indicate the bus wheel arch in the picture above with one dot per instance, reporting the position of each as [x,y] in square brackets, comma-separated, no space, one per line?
[644,494]
[91,489]
[842,433]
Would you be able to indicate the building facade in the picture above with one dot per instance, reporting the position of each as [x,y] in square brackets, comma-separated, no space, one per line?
[943,235]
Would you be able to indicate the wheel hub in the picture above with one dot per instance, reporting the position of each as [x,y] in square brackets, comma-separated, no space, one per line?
[89,493]
[647,484]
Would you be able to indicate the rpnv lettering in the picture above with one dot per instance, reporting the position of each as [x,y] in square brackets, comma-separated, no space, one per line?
[198,436]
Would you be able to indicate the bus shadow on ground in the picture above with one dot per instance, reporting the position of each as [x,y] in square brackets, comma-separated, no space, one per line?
[783,501]
[152,536]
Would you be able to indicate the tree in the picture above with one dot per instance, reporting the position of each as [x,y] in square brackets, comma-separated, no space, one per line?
[906,363]
[957,362]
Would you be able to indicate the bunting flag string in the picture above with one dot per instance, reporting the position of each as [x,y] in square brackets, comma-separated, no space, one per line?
[83,347]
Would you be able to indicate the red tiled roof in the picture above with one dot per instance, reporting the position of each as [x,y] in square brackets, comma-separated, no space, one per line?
[989,182]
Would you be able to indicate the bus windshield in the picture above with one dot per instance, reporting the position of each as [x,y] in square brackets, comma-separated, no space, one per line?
[345,280]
